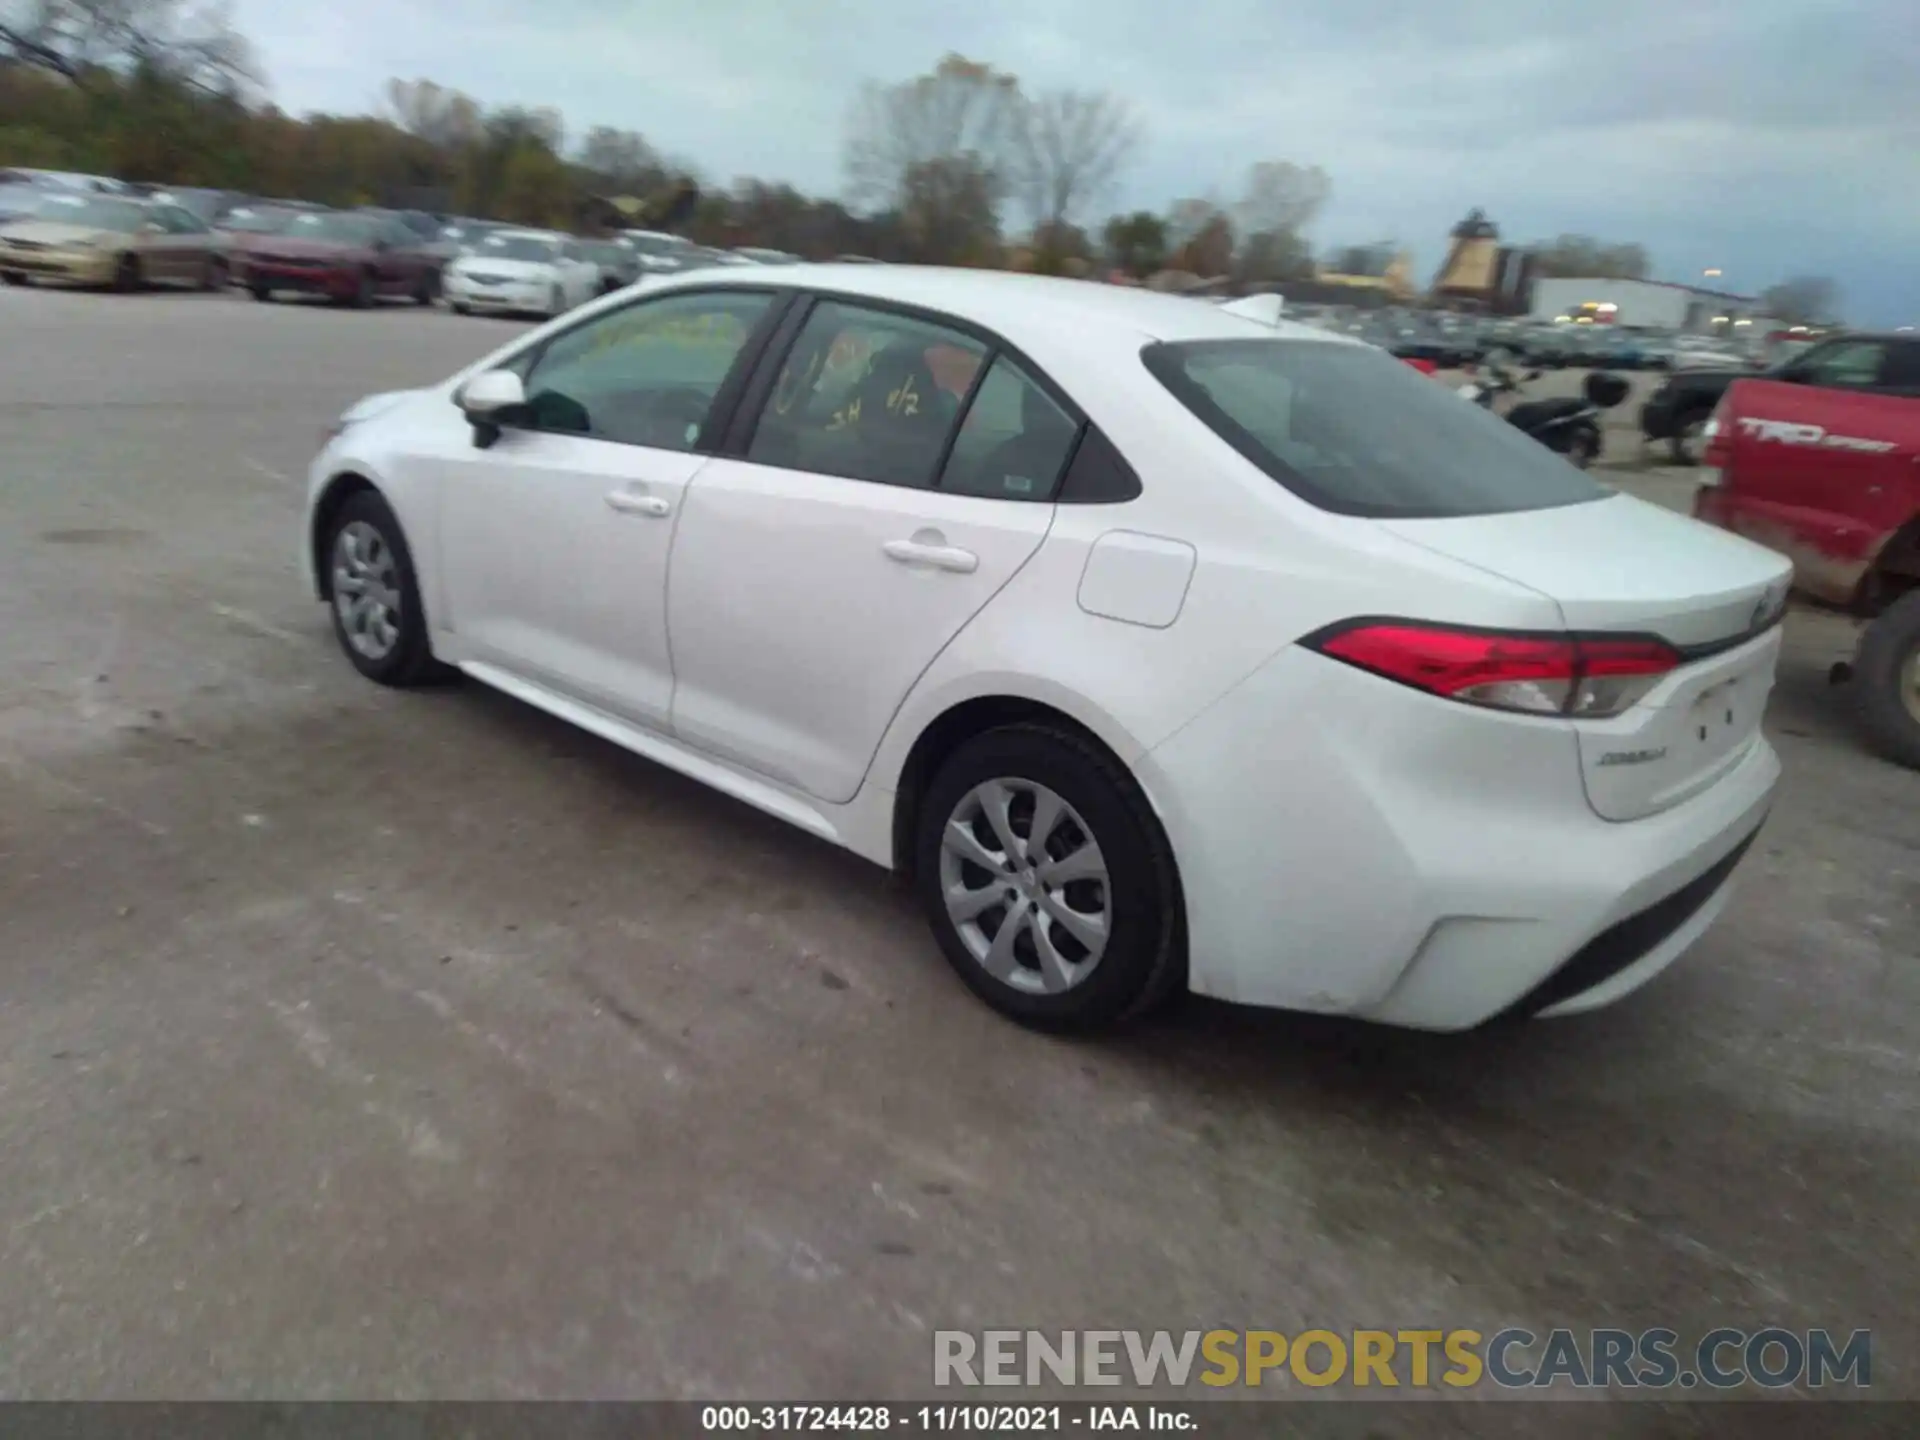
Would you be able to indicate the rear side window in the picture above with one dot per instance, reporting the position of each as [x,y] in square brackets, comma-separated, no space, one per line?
[1352,430]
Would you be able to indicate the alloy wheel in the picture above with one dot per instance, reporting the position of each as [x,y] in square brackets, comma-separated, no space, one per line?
[366,590]
[1026,886]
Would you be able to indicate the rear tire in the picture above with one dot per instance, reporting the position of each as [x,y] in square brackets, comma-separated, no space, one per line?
[381,627]
[1886,681]
[1053,979]
[262,293]
[13,277]
[1583,449]
[557,303]
[362,298]
[423,293]
[460,308]
[215,277]
[128,276]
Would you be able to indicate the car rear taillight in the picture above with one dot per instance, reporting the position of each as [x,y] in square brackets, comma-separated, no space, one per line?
[1587,676]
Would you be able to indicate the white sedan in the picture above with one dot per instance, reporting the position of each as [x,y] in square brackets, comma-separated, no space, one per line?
[1162,645]
[521,272]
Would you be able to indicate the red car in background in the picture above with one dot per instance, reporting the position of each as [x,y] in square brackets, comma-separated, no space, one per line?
[348,257]
[1821,461]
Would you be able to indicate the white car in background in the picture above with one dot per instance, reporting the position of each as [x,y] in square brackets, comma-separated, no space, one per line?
[1163,644]
[521,272]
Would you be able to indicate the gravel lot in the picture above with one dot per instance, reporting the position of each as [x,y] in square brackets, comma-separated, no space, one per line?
[372,1044]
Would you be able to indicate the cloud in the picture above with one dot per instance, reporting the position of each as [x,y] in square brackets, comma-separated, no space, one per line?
[1765,138]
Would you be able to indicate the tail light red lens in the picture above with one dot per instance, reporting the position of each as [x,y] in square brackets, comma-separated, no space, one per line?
[1573,675]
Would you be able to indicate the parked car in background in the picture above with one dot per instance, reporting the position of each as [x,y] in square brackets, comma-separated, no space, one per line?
[1820,460]
[85,238]
[425,229]
[760,255]
[243,228]
[1677,412]
[534,272]
[659,252]
[461,232]
[1704,352]
[209,205]
[350,256]
[67,180]
[20,198]
[619,263]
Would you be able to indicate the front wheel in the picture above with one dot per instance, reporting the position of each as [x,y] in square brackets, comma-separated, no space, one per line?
[262,293]
[1047,880]
[425,290]
[1689,438]
[362,297]
[13,277]
[215,275]
[127,276]
[375,595]
[1583,448]
[1886,680]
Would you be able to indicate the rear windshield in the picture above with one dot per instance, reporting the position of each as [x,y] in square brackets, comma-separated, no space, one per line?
[1351,429]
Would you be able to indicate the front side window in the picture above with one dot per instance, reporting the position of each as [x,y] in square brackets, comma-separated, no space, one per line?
[1354,431]
[646,374]
[867,395]
[96,212]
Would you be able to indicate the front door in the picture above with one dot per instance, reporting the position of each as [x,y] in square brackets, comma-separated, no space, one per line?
[815,579]
[555,538]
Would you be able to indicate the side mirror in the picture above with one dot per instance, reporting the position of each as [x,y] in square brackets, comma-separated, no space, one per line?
[490,400]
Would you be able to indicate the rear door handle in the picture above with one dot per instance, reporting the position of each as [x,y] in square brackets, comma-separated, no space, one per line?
[936,557]
[628,503]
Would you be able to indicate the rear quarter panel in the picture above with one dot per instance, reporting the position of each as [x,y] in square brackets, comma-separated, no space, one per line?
[1825,477]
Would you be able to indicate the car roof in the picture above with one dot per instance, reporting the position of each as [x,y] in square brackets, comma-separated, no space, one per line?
[1014,304]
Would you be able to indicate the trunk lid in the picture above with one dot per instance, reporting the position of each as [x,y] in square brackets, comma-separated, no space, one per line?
[1620,565]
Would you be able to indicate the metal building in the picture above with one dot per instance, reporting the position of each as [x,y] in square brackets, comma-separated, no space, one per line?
[1642,304]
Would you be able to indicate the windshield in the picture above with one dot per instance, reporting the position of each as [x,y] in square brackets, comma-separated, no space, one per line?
[256,222]
[338,228]
[96,212]
[657,244]
[1354,431]
[516,247]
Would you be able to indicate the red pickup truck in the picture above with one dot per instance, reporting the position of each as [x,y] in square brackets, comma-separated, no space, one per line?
[1822,463]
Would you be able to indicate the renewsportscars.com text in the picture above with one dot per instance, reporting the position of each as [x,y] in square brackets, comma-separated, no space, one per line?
[1771,1358]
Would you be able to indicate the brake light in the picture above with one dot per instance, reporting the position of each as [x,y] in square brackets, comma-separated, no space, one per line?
[1576,675]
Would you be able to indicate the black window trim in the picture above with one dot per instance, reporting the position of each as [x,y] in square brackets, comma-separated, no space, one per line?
[756,392]
[725,400]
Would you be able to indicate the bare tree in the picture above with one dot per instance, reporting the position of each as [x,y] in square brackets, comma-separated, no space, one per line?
[1281,197]
[1068,148]
[193,43]
[959,119]
[1802,300]
[621,158]
[444,118]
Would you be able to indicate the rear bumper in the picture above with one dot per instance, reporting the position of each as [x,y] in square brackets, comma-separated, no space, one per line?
[1350,846]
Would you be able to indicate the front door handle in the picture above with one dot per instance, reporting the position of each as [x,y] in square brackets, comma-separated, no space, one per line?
[937,557]
[628,503]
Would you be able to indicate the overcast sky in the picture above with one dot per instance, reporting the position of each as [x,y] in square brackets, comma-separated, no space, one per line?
[1762,137]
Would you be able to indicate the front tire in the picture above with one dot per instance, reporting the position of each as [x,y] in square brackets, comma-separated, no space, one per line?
[362,298]
[1689,438]
[215,277]
[374,594]
[424,292]
[1886,679]
[1583,448]
[127,275]
[1048,881]
[262,293]
[13,277]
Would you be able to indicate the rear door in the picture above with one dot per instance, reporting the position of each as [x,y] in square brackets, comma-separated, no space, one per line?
[869,513]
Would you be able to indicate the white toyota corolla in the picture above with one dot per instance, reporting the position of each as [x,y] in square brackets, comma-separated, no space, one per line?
[1162,645]
[527,272]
